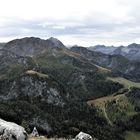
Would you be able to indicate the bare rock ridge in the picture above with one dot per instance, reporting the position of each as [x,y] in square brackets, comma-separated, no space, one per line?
[11,131]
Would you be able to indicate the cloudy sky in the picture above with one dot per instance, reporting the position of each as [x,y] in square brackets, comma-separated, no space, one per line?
[82,22]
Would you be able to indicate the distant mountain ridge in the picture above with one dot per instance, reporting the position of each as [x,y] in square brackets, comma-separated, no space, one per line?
[117,63]
[132,51]
[102,48]
[34,46]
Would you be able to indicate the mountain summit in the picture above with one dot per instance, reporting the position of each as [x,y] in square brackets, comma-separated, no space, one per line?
[56,42]
[31,46]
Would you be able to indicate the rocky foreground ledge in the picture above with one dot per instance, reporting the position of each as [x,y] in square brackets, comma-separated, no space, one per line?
[12,131]
[80,136]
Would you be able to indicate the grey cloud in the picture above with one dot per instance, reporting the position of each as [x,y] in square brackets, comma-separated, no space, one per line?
[97,27]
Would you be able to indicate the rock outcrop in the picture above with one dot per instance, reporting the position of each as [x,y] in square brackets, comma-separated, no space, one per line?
[11,131]
[83,136]
[35,132]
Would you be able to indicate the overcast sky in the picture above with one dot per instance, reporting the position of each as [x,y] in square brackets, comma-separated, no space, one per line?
[82,22]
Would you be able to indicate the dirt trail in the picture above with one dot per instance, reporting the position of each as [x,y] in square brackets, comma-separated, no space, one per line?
[106,116]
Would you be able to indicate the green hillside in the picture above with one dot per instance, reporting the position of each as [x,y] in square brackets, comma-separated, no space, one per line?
[123,107]
[126,83]
[132,136]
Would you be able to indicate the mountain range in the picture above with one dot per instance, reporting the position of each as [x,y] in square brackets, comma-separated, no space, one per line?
[63,91]
[118,63]
[131,51]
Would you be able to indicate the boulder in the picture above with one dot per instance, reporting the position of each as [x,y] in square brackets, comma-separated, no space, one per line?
[83,136]
[11,131]
[34,132]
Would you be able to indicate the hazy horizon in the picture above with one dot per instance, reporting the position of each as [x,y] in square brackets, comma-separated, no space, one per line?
[70,45]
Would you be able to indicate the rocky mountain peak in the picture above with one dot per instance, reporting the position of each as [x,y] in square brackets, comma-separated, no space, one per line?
[134,45]
[56,42]
[102,48]
[32,46]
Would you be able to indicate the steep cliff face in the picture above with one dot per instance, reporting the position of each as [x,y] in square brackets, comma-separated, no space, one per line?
[33,87]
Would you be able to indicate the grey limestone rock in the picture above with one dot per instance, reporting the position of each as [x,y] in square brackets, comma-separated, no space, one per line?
[83,136]
[35,132]
[11,131]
